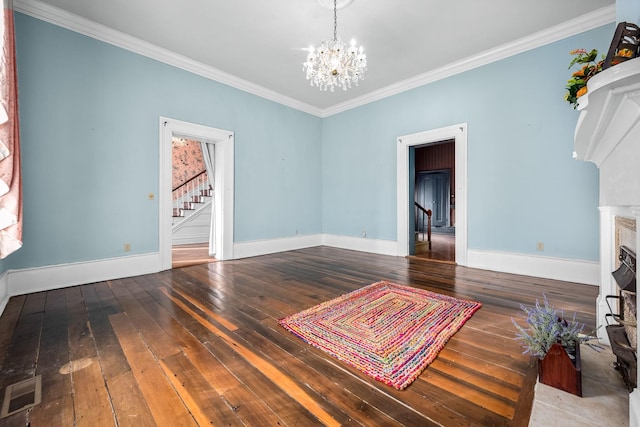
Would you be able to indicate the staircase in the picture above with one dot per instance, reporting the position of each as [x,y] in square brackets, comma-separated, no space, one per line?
[183,208]
[191,216]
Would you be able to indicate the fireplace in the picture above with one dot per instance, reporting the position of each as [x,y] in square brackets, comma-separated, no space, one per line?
[608,134]
[622,329]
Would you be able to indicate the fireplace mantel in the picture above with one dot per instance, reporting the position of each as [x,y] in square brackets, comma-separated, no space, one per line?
[608,134]
[608,111]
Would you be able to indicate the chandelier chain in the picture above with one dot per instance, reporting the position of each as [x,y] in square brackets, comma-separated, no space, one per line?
[335,20]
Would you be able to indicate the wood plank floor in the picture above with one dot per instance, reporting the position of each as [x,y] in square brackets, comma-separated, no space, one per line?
[443,248]
[191,254]
[201,345]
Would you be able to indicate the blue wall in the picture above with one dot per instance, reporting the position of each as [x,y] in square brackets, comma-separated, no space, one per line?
[628,11]
[523,185]
[89,123]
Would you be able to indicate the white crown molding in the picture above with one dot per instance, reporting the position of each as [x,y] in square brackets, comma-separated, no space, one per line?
[61,18]
[589,21]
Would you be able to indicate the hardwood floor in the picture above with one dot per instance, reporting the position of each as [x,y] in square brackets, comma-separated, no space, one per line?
[201,345]
[443,248]
[192,254]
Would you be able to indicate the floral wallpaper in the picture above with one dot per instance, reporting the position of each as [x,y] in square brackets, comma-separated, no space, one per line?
[187,160]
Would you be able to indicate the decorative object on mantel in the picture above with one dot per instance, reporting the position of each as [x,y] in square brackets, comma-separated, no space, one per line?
[577,84]
[556,343]
[334,63]
[624,46]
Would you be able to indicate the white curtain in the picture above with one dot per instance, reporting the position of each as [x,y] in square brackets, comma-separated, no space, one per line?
[10,184]
[208,153]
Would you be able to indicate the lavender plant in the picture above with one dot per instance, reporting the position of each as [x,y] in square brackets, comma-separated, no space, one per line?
[546,326]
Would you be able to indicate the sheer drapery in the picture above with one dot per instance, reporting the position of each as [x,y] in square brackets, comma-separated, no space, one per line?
[10,188]
[208,153]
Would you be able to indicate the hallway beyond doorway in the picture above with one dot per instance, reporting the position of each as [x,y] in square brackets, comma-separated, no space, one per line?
[443,247]
[193,254]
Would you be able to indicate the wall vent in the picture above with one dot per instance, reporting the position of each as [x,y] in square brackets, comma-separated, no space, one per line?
[22,395]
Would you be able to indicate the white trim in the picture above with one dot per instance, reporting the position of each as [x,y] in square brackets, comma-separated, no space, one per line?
[607,262]
[568,270]
[634,408]
[589,21]
[192,216]
[4,291]
[189,240]
[29,280]
[224,182]
[634,397]
[362,244]
[64,19]
[459,133]
[265,247]
[25,281]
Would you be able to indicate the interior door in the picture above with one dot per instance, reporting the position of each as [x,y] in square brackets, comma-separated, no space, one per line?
[432,192]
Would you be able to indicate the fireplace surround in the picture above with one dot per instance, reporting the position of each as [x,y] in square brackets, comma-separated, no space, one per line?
[608,134]
[622,329]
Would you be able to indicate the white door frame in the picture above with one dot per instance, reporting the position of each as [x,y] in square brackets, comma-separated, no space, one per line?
[459,134]
[223,191]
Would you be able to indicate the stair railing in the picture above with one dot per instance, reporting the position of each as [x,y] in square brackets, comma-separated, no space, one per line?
[421,212]
[190,192]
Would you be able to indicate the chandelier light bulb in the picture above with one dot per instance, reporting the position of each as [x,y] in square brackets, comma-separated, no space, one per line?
[334,63]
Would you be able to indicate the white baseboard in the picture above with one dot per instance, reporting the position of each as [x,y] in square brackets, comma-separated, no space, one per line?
[29,280]
[362,244]
[264,247]
[569,270]
[4,291]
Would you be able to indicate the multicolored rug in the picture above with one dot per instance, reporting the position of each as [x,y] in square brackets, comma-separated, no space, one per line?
[388,331]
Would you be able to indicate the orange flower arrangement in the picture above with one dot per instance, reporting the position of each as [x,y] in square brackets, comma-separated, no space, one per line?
[577,84]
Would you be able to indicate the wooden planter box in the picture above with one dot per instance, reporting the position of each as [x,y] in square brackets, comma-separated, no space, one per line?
[559,371]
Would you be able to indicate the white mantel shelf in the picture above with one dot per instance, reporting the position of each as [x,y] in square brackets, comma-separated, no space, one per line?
[608,134]
[608,111]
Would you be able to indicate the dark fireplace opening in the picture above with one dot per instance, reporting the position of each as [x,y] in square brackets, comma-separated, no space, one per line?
[623,332]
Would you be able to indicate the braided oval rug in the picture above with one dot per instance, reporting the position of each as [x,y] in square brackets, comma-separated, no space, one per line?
[388,331]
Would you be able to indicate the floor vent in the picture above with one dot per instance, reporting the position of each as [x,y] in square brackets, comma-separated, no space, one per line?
[21,396]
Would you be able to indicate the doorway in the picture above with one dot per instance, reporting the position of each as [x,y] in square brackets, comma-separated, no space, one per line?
[223,190]
[434,233]
[457,199]
[193,220]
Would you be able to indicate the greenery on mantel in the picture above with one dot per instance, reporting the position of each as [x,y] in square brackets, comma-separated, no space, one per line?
[577,84]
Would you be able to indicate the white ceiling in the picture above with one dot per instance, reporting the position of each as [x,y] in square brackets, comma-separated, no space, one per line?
[262,41]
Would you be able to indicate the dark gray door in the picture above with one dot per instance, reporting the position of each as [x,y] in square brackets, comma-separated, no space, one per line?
[432,192]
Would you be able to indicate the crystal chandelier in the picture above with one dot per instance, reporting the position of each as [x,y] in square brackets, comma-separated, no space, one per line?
[334,63]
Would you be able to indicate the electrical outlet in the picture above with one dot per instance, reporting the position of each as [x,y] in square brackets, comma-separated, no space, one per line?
[364,233]
[127,247]
[540,246]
